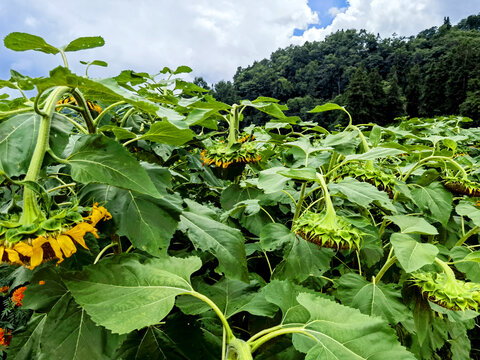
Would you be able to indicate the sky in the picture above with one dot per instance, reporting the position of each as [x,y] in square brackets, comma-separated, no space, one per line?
[213,37]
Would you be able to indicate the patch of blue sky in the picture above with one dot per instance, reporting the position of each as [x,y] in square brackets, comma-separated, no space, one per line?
[325,14]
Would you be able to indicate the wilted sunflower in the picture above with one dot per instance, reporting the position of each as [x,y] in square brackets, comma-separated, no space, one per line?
[462,186]
[42,246]
[222,156]
[448,292]
[329,230]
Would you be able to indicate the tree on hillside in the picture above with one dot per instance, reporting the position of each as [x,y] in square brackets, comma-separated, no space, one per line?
[413,91]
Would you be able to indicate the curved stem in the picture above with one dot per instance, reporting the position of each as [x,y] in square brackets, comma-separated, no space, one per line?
[64,58]
[107,109]
[263,332]
[77,125]
[385,267]
[126,116]
[427,159]
[298,330]
[87,116]
[31,210]
[465,237]
[290,196]
[103,252]
[217,311]
[14,112]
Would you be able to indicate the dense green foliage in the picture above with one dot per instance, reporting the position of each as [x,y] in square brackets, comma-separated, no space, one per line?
[434,73]
[138,222]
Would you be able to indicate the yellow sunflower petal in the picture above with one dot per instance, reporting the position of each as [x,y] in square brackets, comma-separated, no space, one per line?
[13,257]
[66,244]
[2,250]
[79,231]
[23,248]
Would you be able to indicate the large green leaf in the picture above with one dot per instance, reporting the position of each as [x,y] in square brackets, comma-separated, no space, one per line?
[69,333]
[85,43]
[166,133]
[149,223]
[304,174]
[18,41]
[384,300]
[274,236]
[470,268]
[361,193]
[412,254]
[413,224]
[434,200]
[18,136]
[224,242]
[375,153]
[284,295]
[231,297]
[26,344]
[338,332]
[271,181]
[326,107]
[99,159]
[466,208]
[123,294]
[303,259]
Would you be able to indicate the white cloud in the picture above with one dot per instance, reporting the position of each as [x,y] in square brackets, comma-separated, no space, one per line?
[213,37]
[403,17]
[334,11]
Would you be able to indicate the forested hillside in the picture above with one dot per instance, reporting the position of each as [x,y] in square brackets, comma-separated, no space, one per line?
[434,73]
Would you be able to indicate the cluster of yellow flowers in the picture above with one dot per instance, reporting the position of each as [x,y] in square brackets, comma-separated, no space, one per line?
[33,252]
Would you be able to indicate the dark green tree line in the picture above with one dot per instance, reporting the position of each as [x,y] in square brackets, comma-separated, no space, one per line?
[436,72]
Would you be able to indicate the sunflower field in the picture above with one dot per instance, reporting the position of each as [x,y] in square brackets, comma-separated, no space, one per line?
[141,219]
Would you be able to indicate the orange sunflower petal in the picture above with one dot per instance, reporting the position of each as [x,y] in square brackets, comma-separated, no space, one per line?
[66,244]
[98,213]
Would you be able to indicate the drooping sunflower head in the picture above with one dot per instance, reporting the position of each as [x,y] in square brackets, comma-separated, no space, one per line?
[462,186]
[223,156]
[339,234]
[448,293]
[54,238]
[95,109]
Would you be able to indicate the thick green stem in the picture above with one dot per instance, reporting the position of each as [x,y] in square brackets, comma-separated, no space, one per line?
[87,116]
[239,350]
[465,237]
[446,269]
[385,267]
[330,210]
[300,202]
[31,210]
[233,125]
